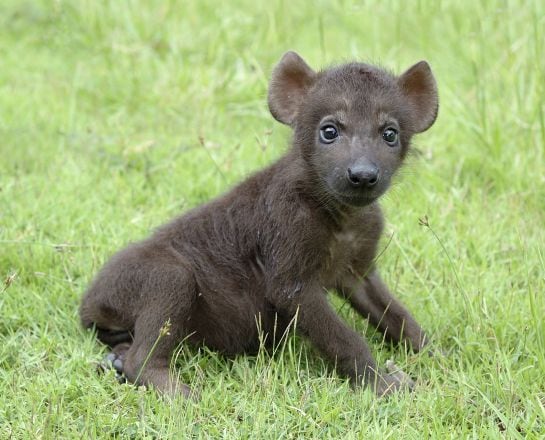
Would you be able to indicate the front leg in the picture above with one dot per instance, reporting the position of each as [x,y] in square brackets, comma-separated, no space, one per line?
[317,320]
[372,299]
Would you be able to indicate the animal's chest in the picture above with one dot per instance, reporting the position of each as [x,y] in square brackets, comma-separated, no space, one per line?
[351,251]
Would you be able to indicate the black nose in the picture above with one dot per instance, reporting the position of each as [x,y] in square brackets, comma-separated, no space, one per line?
[364,176]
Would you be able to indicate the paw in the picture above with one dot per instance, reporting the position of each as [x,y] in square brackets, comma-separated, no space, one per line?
[437,353]
[113,361]
[395,380]
[187,392]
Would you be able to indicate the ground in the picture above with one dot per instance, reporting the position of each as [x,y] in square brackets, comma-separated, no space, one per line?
[116,116]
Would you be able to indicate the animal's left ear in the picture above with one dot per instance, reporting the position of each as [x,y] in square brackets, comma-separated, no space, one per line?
[418,85]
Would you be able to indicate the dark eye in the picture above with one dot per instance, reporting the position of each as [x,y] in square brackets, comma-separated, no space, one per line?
[390,136]
[328,133]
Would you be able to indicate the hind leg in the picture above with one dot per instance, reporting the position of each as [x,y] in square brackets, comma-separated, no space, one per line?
[148,364]
[158,329]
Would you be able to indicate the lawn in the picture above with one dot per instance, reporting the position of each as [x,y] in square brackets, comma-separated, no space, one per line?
[116,116]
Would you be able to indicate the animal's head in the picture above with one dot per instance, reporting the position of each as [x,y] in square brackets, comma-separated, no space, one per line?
[352,123]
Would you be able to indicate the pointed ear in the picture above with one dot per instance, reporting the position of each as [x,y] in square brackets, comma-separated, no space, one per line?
[418,85]
[290,81]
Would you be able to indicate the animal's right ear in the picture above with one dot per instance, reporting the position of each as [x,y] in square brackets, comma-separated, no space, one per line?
[291,79]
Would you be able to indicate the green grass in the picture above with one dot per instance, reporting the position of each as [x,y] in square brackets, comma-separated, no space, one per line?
[117,115]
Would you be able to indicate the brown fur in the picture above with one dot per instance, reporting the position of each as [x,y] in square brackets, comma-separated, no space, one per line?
[271,247]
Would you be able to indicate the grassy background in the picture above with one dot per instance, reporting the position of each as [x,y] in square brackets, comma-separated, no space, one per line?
[117,115]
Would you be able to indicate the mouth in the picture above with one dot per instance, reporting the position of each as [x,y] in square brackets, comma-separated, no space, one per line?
[354,198]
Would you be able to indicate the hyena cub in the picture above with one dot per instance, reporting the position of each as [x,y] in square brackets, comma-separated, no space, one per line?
[273,246]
